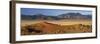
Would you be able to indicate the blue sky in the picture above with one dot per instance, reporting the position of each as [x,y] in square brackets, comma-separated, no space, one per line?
[51,12]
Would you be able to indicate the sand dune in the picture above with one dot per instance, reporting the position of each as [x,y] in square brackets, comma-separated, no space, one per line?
[51,28]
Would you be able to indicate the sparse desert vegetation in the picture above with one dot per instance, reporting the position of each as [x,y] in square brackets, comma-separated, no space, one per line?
[56,27]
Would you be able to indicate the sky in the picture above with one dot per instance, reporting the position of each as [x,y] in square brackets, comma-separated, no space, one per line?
[51,12]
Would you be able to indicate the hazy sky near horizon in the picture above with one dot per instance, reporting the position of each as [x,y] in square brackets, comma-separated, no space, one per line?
[52,12]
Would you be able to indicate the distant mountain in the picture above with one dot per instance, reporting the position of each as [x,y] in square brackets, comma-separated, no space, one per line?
[74,16]
[39,17]
[61,16]
[26,17]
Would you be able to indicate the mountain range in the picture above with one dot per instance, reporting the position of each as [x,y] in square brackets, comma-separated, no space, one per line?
[58,17]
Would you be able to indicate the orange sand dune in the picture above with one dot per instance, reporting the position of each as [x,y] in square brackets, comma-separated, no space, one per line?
[50,28]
